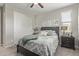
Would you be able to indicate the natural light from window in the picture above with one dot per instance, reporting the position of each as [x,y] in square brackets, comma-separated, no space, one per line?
[66,21]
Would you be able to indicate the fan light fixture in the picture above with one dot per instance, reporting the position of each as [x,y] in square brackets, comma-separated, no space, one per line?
[39,4]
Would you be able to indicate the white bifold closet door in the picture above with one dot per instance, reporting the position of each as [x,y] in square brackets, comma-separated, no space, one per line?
[0,26]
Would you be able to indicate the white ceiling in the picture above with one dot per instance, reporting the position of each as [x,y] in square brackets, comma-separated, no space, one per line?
[36,9]
[47,7]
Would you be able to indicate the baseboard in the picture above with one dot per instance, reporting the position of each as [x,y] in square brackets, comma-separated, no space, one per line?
[9,45]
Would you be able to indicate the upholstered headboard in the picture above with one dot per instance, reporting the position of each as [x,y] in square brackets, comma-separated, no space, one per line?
[51,28]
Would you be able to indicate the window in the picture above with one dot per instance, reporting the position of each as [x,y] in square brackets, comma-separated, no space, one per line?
[66,21]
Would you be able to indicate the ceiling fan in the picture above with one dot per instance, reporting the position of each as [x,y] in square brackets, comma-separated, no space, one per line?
[38,4]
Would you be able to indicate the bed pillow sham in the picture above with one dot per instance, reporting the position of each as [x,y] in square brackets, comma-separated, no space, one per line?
[51,33]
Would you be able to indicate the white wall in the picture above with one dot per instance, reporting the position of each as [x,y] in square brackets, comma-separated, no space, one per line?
[22,25]
[50,19]
[75,25]
[15,25]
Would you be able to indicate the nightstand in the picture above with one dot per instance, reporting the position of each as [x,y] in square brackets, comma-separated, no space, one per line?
[68,42]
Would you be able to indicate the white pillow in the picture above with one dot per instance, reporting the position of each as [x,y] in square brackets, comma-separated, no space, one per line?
[43,33]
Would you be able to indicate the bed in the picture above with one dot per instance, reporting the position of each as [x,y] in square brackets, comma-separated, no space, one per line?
[39,47]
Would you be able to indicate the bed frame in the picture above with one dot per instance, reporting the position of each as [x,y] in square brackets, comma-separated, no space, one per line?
[26,52]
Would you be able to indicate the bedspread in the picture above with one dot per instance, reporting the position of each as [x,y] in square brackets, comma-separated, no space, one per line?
[43,45]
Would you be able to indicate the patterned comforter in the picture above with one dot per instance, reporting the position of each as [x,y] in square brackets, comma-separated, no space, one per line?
[41,45]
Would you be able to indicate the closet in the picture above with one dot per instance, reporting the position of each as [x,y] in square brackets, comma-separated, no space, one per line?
[1,26]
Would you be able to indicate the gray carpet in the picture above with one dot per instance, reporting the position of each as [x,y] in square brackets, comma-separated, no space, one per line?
[61,51]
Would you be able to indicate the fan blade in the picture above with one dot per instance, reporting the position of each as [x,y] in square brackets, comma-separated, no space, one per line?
[40,5]
[32,5]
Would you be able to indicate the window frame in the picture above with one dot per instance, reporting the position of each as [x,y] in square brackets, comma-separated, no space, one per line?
[63,22]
